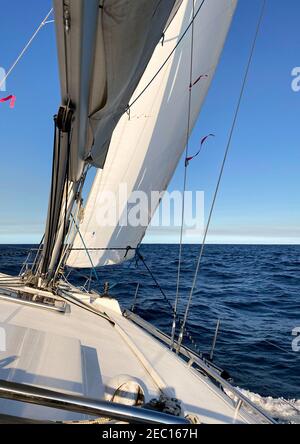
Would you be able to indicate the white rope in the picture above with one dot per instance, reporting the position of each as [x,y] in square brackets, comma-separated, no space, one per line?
[221,174]
[43,23]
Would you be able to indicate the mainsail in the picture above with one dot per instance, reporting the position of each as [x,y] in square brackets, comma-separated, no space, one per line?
[147,145]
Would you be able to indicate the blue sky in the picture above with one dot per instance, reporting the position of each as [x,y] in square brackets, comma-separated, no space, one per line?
[259,196]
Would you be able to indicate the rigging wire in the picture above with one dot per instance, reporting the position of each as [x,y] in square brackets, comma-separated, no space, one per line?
[179,319]
[184,179]
[222,171]
[129,106]
[68,228]
[86,249]
[42,24]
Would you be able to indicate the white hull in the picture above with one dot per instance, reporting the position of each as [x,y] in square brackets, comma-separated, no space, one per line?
[81,353]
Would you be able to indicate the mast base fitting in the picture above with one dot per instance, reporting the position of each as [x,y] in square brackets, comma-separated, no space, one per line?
[64,119]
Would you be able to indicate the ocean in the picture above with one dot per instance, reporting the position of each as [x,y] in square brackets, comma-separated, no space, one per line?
[252,290]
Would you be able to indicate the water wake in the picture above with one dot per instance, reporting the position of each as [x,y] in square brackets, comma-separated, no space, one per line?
[283,410]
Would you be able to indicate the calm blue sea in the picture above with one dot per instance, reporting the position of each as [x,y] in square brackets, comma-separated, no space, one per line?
[253,290]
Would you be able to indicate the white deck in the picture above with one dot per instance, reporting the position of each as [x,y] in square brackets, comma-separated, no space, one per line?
[84,354]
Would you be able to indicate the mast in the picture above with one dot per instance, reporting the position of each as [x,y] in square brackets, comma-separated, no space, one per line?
[62,195]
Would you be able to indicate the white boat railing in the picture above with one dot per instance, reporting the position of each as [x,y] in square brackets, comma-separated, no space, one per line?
[205,367]
[30,260]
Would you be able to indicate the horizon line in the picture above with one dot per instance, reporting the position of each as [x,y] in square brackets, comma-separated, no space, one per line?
[177,243]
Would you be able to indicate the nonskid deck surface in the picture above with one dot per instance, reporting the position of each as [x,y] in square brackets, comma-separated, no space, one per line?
[78,352]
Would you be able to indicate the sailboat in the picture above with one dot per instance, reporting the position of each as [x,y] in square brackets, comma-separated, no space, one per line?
[130,78]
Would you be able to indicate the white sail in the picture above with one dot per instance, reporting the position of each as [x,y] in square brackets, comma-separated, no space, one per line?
[146,148]
[103,52]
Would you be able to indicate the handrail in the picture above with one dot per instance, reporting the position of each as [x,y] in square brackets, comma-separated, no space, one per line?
[194,359]
[28,263]
[48,398]
[185,351]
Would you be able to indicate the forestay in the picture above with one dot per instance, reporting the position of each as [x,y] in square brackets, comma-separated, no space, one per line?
[146,148]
